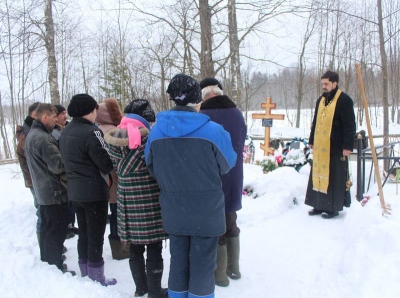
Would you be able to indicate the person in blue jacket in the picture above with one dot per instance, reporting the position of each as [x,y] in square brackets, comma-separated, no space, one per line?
[186,153]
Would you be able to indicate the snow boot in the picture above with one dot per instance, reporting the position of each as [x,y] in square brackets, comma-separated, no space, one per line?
[138,270]
[96,273]
[119,251]
[221,279]
[154,276]
[233,250]
[83,267]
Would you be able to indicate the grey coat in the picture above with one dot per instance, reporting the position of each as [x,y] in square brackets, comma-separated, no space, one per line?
[44,162]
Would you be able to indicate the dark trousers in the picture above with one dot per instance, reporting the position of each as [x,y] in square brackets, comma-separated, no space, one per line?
[113,222]
[154,251]
[193,261]
[36,204]
[92,220]
[53,230]
[232,230]
[71,214]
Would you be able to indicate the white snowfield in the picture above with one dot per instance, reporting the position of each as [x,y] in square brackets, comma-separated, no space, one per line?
[284,252]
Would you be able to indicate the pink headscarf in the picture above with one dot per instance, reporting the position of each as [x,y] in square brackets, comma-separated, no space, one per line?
[132,126]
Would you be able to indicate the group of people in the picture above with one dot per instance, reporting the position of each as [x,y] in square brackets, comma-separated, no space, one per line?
[180,178]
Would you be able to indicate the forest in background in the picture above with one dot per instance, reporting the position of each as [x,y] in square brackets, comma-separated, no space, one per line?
[51,50]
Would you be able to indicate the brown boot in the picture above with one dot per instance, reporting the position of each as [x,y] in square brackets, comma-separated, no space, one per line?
[119,250]
[221,279]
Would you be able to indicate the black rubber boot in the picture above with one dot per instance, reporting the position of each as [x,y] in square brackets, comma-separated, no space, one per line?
[138,271]
[154,276]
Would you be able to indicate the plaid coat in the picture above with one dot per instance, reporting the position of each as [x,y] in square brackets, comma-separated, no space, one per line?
[139,211]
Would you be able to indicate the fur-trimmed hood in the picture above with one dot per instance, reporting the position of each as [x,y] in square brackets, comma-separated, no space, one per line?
[218,102]
[119,137]
[109,112]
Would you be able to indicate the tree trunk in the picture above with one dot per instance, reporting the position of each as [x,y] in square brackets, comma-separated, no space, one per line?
[6,147]
[206,61]
[384,82]
[235,75]
[51,53]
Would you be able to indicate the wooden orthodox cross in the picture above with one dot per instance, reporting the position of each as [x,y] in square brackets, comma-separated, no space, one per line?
[267,123]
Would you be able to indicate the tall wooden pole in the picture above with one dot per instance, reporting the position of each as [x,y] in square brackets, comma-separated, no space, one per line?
[385,208]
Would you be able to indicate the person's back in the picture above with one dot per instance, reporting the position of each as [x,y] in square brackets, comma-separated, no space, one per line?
[139,216]
[109,117]
[84,159]
[186,153]
[221,109]
[187,160]
[87,165]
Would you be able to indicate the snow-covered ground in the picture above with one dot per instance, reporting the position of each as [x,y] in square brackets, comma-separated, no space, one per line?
[284,252]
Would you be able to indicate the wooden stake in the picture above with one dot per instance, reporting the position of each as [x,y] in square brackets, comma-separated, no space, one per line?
[385,208]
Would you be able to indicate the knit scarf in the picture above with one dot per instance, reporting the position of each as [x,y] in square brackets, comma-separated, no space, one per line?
[132,127]
[322,144]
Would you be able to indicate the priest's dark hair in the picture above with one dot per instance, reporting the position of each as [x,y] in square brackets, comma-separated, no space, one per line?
[331,76]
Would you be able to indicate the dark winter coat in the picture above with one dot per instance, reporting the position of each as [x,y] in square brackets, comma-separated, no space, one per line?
[139,211]
[21,133]
[56,133]
[342,137]
[186,153]
[87,162]
[44,162]
[223,111]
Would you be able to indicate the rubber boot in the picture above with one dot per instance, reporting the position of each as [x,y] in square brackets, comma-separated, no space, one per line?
[118,250]
[138,270]
[83,267]
[96,273]
[221,279]
[154,276]
[233,250]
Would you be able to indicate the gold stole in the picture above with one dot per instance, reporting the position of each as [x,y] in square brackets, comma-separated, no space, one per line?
[322,144]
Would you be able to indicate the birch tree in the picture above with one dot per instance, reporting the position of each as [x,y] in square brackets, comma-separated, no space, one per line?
[49,42]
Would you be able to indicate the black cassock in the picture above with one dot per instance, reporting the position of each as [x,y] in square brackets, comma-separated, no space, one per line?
[342,137]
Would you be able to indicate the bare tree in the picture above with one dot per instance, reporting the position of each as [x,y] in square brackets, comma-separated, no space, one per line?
[310,28]
[385,89]
[51,52]
[206,60]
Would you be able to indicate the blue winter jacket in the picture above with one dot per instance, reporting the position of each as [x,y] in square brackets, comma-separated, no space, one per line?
[186,153]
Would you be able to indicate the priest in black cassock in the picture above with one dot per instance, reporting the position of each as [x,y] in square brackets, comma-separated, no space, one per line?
[331,138]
